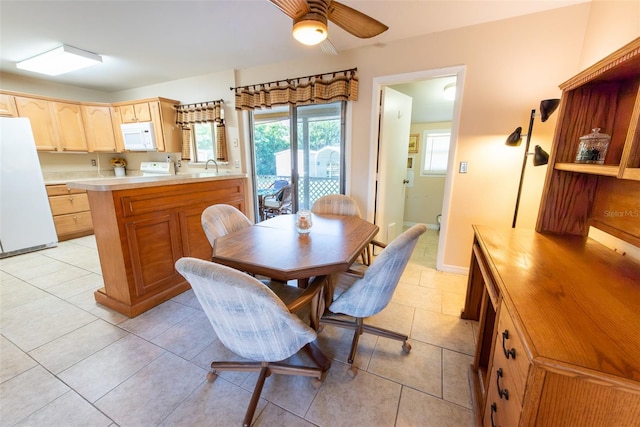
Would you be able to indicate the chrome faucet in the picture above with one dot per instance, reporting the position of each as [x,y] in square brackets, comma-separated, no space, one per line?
[206,165]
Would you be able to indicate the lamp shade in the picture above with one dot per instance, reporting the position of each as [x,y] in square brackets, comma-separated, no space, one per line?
[540,157]
[515,138]
[547,107]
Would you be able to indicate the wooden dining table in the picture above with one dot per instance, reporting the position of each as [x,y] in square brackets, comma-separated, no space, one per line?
[274,248]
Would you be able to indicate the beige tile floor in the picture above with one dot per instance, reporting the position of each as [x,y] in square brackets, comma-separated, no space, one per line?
[67,361]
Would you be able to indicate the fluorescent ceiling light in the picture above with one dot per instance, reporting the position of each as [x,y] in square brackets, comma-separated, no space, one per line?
[310,31]
[60,60]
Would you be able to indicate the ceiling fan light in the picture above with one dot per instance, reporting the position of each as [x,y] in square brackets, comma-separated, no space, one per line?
[309,31]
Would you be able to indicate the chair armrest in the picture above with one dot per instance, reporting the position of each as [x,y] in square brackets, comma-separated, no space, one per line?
[378,244]
[315,285]
[352,272]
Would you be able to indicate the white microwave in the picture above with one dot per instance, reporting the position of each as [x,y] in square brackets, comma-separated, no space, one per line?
[138,136]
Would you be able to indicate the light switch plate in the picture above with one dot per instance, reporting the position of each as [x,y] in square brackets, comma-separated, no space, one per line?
[463,167]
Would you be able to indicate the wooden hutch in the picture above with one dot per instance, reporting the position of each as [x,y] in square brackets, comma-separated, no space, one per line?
[559,313]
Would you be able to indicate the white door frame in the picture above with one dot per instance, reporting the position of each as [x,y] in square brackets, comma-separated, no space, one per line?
[378,82]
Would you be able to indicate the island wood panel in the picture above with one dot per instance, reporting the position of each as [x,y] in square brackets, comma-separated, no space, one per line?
[154,247]
[142,232]
[191,226]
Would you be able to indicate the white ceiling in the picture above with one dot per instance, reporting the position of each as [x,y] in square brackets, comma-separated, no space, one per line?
[148,42]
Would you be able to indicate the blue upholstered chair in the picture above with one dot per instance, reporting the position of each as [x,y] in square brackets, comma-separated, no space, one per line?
[363,296]
[220,220]
[340,204]
[251,320]
[336,204]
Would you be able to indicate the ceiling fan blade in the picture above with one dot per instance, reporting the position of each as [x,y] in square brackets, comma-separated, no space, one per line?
[355,22]
[293,8]
[328,48]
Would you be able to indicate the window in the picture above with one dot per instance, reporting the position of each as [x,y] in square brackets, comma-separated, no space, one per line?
[203,142]
[436,152]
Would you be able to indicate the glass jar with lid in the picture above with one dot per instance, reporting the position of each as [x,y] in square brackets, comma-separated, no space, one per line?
[593,147]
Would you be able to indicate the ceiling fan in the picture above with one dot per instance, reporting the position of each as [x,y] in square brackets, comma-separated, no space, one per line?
[310,21]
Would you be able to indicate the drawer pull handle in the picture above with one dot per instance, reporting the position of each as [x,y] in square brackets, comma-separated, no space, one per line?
[503,392]
[512,351]
[71,199]
[494,409]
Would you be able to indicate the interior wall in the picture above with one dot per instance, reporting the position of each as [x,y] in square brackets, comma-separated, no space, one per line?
[612,24]
[423,201]
[16,83]
[511,65]
[508,72]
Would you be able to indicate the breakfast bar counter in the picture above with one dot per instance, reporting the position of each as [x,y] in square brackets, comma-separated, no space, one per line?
[144,224]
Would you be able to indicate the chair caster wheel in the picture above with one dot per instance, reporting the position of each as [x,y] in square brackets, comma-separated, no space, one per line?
[211,376]
[406,347]
[352,372]
[317,382]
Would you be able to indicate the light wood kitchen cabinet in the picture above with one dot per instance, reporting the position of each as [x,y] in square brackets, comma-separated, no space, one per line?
[43,125]
[142,230]
[70,129]
[162,112]
[99,128]
[8,106]
[577,196]
[133,113]
[71,212]
[60,125]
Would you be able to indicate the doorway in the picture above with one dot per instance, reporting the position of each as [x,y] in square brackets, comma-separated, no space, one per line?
[306,160]
[415,161]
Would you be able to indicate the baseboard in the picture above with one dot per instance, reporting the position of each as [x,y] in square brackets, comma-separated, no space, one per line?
[455,269]
[429,226]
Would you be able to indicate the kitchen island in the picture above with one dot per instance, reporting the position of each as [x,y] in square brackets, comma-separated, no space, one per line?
[143,225]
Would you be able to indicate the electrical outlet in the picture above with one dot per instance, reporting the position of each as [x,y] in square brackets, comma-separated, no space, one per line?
[463,167]
[93,162]
[237,163]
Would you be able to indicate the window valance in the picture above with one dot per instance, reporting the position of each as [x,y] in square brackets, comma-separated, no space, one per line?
[317,89]
[203,112]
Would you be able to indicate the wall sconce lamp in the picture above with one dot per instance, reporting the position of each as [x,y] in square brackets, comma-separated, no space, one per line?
[60,60]
[540,157]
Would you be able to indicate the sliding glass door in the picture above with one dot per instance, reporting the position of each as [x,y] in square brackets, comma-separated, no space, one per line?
[309,156]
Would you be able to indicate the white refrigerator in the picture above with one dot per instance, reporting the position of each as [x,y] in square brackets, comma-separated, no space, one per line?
[26,222]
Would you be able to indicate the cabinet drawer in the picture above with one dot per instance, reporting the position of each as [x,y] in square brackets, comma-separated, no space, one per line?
[73,223]
[500,411]
[69,204]
[515,369]
[60,190]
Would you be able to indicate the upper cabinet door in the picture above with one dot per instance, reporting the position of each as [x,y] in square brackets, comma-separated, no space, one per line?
[39,112]
[70,128]
[8,106]
[133,113]
[98,127]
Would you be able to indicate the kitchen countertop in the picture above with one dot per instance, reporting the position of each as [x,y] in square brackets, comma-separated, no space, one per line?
[128,182]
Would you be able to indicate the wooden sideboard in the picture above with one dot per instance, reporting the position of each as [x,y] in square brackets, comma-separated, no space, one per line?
[559,331]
